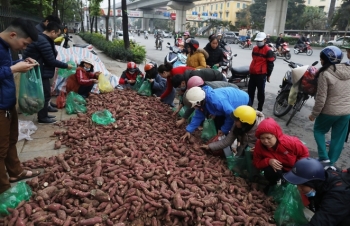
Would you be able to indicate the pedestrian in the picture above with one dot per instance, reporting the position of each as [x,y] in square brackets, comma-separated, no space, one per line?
[246,121]
[216,56]
[45,53]
[327,189]
[84,79]
[275,153]
[16,37]
[332,101]
[196,57]
[128,77]
[158,83]
[260,70]
[214,103]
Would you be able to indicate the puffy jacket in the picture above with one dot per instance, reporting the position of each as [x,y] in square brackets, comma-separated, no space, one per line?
[215,55]
[7,82]
[40,27]
[158,87]
[333,93]
[174,71]
[219,102]
[262,63]
[207,74]
[288,149]
[197,59]
[246,138]
[81,77]
[332,200]
[45,53]
[127,76]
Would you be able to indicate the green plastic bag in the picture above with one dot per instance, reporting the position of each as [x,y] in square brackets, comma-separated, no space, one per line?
[191,116]
[65,72]
[182,111]
[209,130]
[252,172]
[104,117]
[238,165]
[31,95]
[138,83]
[13,196]
[75,103]
[290,210]
[215,67]
[145,89]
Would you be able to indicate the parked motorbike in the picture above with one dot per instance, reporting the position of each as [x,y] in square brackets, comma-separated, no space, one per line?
[281,106]
[306,49]
[246,44]
[159,43]
[175,56]
[65,43]
[284,49]
[240,77]
[227,63]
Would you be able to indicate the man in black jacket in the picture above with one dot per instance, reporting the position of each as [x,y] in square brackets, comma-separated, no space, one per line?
[41,27]
[301,43]
[45,53]
[279,41]
[328,190]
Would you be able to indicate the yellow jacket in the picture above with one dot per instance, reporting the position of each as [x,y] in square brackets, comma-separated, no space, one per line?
[197,59]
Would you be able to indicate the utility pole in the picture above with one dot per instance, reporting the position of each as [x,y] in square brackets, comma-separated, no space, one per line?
[114,20]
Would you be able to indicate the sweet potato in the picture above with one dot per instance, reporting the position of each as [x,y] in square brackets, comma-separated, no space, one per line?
[91,221]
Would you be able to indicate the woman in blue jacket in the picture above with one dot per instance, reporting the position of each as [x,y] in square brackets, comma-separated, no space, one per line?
[210,102]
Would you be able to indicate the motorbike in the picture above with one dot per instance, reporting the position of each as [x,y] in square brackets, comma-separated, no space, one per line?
[146,35]
[281,106]
[175,56]
[65,43]
[159,44]
[227,60]
[240,77]
[307,49]
[284,49]
[246,44]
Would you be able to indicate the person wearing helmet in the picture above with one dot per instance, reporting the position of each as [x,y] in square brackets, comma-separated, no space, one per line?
[84,78]
[328,189]
[279,41]
[260,69]
[158,84]
[268,39]
[128,77]
[216,56]
[301,43]
[186,39]
[218,103]
[332,101]
[275,152]
[222,43]
[196,57]
[243,129]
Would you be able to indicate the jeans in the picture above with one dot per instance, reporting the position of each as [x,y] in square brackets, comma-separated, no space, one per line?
[85,90]
[257,82]
[47,95]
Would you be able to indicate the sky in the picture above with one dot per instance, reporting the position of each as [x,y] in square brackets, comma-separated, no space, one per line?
[104,4]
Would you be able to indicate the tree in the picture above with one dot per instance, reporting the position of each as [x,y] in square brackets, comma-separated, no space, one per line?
[94,12]
[258,13]
[5,3]
[40,8]
[243,18]
[313,18]
[341,17]
[293,14]
[107,20]
[125,25]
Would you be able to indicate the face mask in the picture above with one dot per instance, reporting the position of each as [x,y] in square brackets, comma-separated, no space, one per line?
[311,193]
[86,69]
[260,43]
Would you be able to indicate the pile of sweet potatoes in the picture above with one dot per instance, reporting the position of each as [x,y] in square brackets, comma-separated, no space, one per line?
[136,172]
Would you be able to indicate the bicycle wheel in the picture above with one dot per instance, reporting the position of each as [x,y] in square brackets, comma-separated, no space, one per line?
[297,106]
[281,106]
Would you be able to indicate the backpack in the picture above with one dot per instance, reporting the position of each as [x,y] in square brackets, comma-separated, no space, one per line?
[309,81]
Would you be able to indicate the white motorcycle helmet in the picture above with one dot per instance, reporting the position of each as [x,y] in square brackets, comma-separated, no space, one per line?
[260,36]
[195,95]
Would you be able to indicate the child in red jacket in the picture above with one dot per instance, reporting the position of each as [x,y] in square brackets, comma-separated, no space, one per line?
[128,78]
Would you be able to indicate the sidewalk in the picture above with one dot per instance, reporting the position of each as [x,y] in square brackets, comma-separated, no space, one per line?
[42,144]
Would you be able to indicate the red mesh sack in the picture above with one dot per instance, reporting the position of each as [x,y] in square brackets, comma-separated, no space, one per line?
[61,100]
[309,81]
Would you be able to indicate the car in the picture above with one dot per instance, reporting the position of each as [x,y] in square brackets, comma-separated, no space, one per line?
[231,37]
[340,41]
[119,36]
[166,34]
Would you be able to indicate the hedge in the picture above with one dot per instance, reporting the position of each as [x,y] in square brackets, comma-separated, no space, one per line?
[115,49]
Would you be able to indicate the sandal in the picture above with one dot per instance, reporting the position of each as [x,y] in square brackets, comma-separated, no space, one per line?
[23,176]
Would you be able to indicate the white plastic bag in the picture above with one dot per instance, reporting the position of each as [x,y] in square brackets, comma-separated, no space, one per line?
[25,129]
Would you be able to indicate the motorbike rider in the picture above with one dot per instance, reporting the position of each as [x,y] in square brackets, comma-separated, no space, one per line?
[326,188]
[301,43]
[268,39]
[146,34]
[158,37]
[186,40]
[279,41]
[260,69]
[221,41]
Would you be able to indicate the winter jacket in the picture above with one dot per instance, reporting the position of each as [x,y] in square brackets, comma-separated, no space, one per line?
[197,59]
[333,93]
[159,86]
[247,138]
[262,63]
[331,200]
[219,102]
[288,149]
[215,55]
[40,27]
[279,41]
[207,74]
[7,82]
[45,53]
[174,71]
[127,76]
[80,78]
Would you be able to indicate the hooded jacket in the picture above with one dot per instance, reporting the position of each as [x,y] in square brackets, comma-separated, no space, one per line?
[197,59]
[247,138]
[207,74]
[331,200]
[215,55]
[219,102]
[333,93]
[80,78]
[287,150]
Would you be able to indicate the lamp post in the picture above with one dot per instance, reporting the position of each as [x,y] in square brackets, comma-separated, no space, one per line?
[114,19]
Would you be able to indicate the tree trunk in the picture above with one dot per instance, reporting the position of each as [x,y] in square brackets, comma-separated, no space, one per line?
[331,11]
[54,7]
[96,18]
[107,19]
[5,3]
[125,25]
[82,16]
[92,24]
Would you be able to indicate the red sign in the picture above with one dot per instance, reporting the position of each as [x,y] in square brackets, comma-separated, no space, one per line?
[173,16]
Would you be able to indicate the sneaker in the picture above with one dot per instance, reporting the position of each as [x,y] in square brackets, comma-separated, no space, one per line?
[51,109]
[53,104]
[323,160]
[46,121]
[51,116]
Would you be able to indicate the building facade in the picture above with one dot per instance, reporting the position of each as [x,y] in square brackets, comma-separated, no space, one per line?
[323,4]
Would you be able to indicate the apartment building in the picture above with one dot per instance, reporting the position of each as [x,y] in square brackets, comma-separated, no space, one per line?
[323,4]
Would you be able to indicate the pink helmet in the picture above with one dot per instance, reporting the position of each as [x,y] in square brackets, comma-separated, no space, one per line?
[187,33]
[194,81]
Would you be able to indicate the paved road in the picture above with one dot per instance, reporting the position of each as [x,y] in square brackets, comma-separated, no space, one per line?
[300,125]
